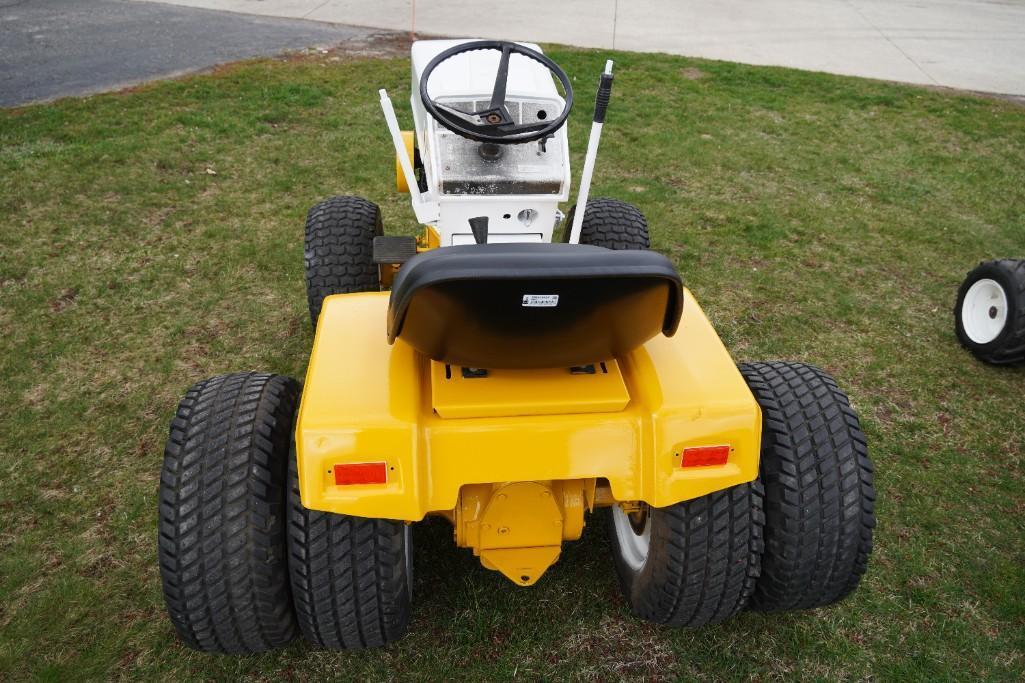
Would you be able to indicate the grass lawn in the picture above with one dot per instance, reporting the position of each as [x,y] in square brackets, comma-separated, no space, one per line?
[154,237]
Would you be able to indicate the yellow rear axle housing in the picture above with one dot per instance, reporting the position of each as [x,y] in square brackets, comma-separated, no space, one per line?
[518,528]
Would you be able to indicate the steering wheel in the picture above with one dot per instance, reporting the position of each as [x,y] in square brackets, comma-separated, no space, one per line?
[494,123]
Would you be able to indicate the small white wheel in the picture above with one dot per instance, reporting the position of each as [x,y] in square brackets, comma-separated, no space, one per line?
[633,536]
[984,311]
[989,315]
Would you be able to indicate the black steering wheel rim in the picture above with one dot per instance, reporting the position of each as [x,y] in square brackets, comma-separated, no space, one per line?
[496,125]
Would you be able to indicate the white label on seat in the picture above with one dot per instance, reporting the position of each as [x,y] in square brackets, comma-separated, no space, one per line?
[540,300]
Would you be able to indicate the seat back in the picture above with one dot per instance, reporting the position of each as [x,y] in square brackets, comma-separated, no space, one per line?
[532,305]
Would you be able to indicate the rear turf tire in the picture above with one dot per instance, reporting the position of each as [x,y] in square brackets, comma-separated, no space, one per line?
[819,496]
[222,510]
[989,315]
[610,223]
[339,250]
[701,559]
[351,576]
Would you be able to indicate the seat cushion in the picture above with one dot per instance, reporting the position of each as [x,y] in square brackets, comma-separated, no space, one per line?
[532,305]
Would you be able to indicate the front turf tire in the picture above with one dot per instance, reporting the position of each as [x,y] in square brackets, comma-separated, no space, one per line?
[338,251]
[610,223]
[819,496]
[989,315]
[222,510]
[351,576]
[701,561]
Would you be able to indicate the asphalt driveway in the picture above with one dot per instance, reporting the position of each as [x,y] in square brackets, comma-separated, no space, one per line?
[56,48]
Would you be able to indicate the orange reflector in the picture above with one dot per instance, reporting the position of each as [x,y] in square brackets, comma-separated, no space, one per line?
[361,473]
[701,456]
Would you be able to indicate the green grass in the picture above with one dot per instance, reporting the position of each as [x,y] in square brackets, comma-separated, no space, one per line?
[151,238]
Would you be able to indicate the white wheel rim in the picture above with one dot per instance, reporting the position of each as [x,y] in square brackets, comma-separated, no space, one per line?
[984,311]
[633,546]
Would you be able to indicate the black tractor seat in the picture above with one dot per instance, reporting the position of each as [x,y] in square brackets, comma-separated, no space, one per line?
[532,305]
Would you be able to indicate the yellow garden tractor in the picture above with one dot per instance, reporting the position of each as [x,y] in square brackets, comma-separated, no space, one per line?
[513,385]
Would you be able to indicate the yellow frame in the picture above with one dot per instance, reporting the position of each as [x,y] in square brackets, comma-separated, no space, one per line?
[409,140]
[366,401]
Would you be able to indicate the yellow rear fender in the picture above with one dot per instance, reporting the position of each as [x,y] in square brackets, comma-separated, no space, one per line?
[385,432]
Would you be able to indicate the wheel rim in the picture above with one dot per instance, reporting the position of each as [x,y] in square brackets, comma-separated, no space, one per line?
[407,551]
[633,544]
[984,311]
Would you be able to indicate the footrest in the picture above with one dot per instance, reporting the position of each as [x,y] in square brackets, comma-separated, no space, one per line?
[388,249]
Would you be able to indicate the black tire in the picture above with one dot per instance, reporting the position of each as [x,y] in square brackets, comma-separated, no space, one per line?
[339,249]
[222,510]
[1008,345]
[702,561]
[819,497]
[610,223]
[351,576]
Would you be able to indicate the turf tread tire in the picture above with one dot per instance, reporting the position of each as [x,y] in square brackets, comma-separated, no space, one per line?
[818,482]
[703,559]
[612,224]
[1009,345]
[349,576]
[221,521]
[338,249]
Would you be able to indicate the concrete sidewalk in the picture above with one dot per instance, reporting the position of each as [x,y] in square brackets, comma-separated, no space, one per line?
[968,44]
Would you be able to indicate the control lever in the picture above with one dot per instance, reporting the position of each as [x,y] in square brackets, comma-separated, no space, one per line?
[479,226]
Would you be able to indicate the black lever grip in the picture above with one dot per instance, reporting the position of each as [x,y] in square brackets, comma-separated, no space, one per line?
[601,101]
[479,227]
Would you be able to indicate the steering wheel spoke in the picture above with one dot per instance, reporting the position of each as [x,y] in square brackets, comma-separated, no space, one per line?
[524,127]
[501,79]
[471,117]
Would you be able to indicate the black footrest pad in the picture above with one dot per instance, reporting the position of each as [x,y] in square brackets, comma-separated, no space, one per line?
[388,249]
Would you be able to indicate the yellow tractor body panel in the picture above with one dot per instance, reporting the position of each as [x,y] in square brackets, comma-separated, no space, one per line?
[409,141]
[367,402]
[510,393]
